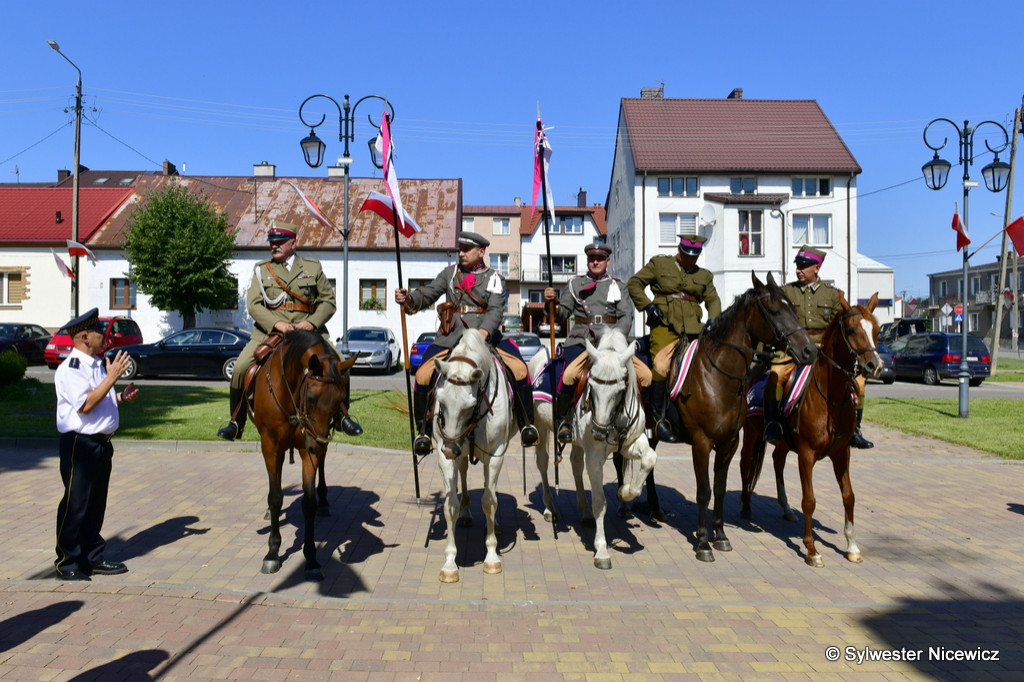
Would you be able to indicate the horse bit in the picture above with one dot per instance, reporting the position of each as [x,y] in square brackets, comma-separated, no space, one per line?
[299,416]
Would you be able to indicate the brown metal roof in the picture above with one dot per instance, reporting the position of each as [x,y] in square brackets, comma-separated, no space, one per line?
[734,135]
[726,198]
[252,203]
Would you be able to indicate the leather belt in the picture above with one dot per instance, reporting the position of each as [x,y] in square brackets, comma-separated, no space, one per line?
[816,331]
[597,319]
[97,437]
[685,297]
[470,309]
[300,307]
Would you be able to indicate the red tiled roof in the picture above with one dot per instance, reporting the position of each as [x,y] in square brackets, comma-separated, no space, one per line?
[734,135]
[527,226]
[491,210]
[29,214]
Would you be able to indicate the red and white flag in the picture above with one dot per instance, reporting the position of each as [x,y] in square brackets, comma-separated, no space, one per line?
[541,156]
[382,206]
[962,240]
[386,147]
[64,269]
[76,249]
[1015,231]
[314,209]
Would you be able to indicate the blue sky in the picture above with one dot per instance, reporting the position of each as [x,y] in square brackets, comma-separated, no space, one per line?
[215,87]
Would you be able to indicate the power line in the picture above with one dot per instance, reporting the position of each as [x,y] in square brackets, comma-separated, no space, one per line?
[62,127]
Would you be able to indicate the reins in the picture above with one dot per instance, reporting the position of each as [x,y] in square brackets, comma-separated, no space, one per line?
[298,416]
[486,400]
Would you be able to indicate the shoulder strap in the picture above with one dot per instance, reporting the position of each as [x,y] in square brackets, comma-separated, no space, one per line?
[284,286]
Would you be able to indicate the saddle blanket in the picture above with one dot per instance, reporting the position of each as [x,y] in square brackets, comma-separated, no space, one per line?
[797,384]
[684,367]
[547,380]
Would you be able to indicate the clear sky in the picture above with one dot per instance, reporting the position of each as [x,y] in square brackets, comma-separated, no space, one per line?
[215,87]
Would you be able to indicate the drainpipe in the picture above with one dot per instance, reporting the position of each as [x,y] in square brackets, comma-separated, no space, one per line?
[849,242]
[643,224]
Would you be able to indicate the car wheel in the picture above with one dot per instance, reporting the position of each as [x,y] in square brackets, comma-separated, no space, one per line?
[931,377]
[229,368]
[976,381]
[132,370]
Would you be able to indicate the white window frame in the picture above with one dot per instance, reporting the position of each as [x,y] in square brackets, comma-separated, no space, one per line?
[743,180]
[807,234]
[972,322]
[755,238]
[572,224]
[5,287]
[562,261]
[816,180]
[502,263]
[672,190]
[672,226]
[467,224]
[501,226]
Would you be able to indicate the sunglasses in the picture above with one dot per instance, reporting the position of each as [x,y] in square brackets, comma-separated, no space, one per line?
[591,259]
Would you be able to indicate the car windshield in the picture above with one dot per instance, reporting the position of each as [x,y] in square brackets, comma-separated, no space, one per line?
[426,337]
[526,340]
[367,335]
[975,346]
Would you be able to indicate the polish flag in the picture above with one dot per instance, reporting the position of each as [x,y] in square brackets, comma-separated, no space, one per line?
[386,146]
[64,269]
[76,249]
[962,240]
[541,157]
[382,206]
[313,208]
[1015,231]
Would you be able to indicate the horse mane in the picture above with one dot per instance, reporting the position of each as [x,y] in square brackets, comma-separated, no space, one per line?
[612,339]
[298,341]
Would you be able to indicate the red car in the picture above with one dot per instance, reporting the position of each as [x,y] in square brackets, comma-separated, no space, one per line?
[120,331]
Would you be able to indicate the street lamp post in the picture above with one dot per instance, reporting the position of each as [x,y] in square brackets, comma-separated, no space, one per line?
[313,149]
[936,172]
[75,175]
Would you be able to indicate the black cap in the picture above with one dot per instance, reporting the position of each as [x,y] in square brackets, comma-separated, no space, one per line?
[473,239]
[89,320]
[598,247]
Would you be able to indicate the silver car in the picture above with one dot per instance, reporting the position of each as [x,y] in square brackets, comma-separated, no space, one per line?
[529,344]
[374,348]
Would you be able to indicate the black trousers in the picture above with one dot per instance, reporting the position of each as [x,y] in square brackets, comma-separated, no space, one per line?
[85,463]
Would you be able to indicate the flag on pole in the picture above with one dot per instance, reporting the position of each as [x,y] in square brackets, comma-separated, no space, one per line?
[541,156]
[314,209]
[387,149]
[64,269]
[1015,231]
[76,249]
[962,240]
[382,206]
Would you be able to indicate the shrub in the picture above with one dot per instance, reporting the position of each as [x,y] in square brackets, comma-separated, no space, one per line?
[372,304]
[12,367]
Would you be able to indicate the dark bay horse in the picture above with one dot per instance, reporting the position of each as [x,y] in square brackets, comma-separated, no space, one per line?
[297,394]
[823,425]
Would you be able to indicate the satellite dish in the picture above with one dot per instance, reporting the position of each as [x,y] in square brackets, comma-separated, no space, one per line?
[707,214]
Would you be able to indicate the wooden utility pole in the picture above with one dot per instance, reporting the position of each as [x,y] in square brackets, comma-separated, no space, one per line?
[1008,213]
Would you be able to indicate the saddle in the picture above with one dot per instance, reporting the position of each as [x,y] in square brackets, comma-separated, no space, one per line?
[260,356]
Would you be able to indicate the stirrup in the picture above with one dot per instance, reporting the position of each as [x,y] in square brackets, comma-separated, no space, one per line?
[773,432]
[230,431]
[664,432]
[565,433]
[422,445]
[529,436]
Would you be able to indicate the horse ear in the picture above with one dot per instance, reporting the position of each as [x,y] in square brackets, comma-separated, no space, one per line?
[843,303]
[316,368]
[758,286]
[590,348]
[442,366]
[476,374]
[872,302]
[345,365]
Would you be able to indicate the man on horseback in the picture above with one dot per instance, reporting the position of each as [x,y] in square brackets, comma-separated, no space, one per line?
[474,299]
[593,303]
[286,292]
[679,286]
[817,303]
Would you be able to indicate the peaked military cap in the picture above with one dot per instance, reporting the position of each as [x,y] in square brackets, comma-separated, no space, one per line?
[473,239]
[88,320]
[808,255]
[692,244]
[598,248]
[281,231]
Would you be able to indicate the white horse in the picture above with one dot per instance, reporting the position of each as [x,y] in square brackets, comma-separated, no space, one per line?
[608,418]
[473,417]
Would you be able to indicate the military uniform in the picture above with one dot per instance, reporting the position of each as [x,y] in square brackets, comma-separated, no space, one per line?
[816,305]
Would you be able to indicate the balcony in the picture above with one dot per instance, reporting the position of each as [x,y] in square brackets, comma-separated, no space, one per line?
[542,276]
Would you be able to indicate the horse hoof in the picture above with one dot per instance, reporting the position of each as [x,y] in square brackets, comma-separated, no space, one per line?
[449,576]
[590,523]
[625,513]
[266,517]
[550,517]
[314,575]
[789,516]
[722,545]
[464,523]
[705,555]
[270,566]
[854,557]
[815,561]
[603,564]
[492,567]
[659,516]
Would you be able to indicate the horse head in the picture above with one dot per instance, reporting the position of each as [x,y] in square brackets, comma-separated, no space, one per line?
[609,382]
[860,332]
[779,324]
[317,380]
[459,395]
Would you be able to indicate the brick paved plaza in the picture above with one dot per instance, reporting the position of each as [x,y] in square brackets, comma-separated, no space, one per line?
[940,528]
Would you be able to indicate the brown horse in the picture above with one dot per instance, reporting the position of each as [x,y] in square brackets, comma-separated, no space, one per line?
[823,425]
[298,392]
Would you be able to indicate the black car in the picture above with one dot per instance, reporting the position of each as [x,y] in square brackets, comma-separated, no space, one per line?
[29,340]
[201,352]
[887,376]
[935,356]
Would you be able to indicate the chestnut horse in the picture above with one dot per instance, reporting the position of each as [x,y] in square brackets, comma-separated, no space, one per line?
[297,394]
[823,425]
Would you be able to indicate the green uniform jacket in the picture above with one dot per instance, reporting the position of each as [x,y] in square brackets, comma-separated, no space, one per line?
[306,278]
[585,297]
[816,305]
[664,275]
[488,290]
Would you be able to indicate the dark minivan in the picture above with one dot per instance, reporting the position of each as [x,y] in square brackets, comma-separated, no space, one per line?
[935,356]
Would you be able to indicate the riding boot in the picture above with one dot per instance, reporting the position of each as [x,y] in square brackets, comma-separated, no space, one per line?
[346,423]
[422,445]
[233,429]
[523,397]
[563,414]
[659,406]
[857,440]
[772,414]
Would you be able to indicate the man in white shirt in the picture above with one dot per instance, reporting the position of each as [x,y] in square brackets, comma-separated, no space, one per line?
[87,418]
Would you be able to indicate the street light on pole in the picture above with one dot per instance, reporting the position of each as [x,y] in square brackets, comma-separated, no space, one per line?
[313,149]
[75,175]
[936,172]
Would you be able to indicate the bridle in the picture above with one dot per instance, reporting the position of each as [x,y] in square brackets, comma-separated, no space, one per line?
[485,403]
[298,416]
[619,410]
[855,353]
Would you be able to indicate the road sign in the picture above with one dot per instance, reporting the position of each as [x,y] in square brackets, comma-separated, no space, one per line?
[958,309]
[958,317]
[946,310]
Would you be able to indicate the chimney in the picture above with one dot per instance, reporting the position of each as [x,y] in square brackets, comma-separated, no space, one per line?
[170,168]
[517,201]
[62,175]
[581,198]
[264,170]
[652,93]
[737,93]
[60,219]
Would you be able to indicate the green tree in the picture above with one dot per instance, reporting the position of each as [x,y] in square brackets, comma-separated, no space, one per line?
[179,247]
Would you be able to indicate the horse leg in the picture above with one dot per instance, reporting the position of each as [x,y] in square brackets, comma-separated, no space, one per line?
[323,508]
[465,515]
[808,503]
[625,507]
[450,570]
[841,466]
[701,455]
[779,460]
[311,463]
[492,467]
[550,515]
[274,461]
[640,451]
[578,460]
[723,458]
[595,471]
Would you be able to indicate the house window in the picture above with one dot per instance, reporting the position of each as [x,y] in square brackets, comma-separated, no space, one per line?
[570,224]
[751,233]
[677,187]
[499,261]
[501,226]
[743,185]
[673,225]
[812,187]
[562,265]
[12,287]
[373,294]
[812,229]
[975,285]
[943,288]
[536,295]
[420,284]
[122,294]
[973,322]
[467,224]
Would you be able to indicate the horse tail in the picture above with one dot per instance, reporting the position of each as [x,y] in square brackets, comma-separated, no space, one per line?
[758,448]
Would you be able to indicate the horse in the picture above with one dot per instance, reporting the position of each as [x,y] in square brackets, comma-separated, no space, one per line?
[608,418]
[298,392]
[712,401]
[473,419]
[824,423]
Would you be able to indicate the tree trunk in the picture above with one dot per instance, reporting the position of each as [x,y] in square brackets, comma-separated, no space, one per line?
[188,320]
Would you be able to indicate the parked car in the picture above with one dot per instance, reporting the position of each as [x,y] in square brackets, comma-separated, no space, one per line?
[890,331]
[417,349]
[120,331]
[935,356]
[29,340]
[545,327]
[200,352]
[887,376]
[374,348]
[529,345]
[512,323]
